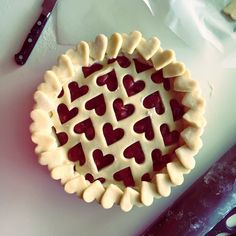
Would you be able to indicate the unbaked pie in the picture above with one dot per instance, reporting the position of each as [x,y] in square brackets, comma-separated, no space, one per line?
[118,120]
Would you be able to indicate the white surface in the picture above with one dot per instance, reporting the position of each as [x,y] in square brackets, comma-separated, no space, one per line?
[31,203]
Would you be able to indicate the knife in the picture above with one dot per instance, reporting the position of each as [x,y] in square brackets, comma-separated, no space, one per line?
[203,205]
[32,38]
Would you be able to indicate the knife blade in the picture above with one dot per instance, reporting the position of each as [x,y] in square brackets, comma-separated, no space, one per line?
[22,56]
[203,205]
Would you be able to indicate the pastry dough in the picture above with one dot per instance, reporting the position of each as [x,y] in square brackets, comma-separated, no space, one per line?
[118,120]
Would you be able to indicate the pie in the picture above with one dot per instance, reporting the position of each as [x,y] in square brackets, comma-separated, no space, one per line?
[118,120]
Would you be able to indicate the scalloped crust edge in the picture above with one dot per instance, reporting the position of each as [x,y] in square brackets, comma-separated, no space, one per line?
[62,169]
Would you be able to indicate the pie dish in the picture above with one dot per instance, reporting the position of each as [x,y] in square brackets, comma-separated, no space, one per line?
[118,120]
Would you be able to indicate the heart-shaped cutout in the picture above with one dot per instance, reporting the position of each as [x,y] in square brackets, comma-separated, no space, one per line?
[109,79]
[125,175]
[98,104]
[154,101]
[157,78]
[88,70]
[62,137]
[177,109]
[91,179]
[85,127]
[123,61]
[132,87]
[65,114]
[145,126]
[112,135]
[159,161]
[169,137]
[135,151]
[76,153]
[122,111]
[61,94]
[141,66]
[76,91]
[146,177]
[102,161]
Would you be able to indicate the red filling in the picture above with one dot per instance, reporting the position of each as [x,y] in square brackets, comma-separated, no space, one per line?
[141,66]
[145,126]
[65,114]
[61,94]
[112,135]
[159,161]
[109,79]
[85,127]
[87,71]
[123,61]
[91,179]
[131,86]
[102,161]
[76,91]
[135,151]
[125,175]
[62,138]
[169,138]
[146,177]
[177,109]
[76,153]
[157,77]
[97,103]
[154,101]
[122,111]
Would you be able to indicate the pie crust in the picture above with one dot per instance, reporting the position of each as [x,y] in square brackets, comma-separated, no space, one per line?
[118,120]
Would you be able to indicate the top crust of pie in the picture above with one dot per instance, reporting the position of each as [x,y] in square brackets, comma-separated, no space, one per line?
[67,70]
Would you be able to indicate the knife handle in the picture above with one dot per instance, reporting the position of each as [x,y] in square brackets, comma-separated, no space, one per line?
[31,39]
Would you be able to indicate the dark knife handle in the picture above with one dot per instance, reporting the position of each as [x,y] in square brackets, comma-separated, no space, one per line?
[32,38]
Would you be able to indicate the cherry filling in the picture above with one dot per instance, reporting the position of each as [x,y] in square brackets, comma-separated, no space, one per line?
[159,161]
[109,79]
[132,87]
[154,101]
[102,161]
[76,91]
[65,114]
[62,138]
[85,127]
[76,154]
[123,61]
[98,104]
[125,175]
[61,94]
[144,126]
[112,135]
[157,77]
[91,179]
[135,151]
[177,109]
[146,177]
[122,111]
[141,66]
[169,137]
[87,71]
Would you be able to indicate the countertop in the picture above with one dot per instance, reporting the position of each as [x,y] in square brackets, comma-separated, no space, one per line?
[31,202]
